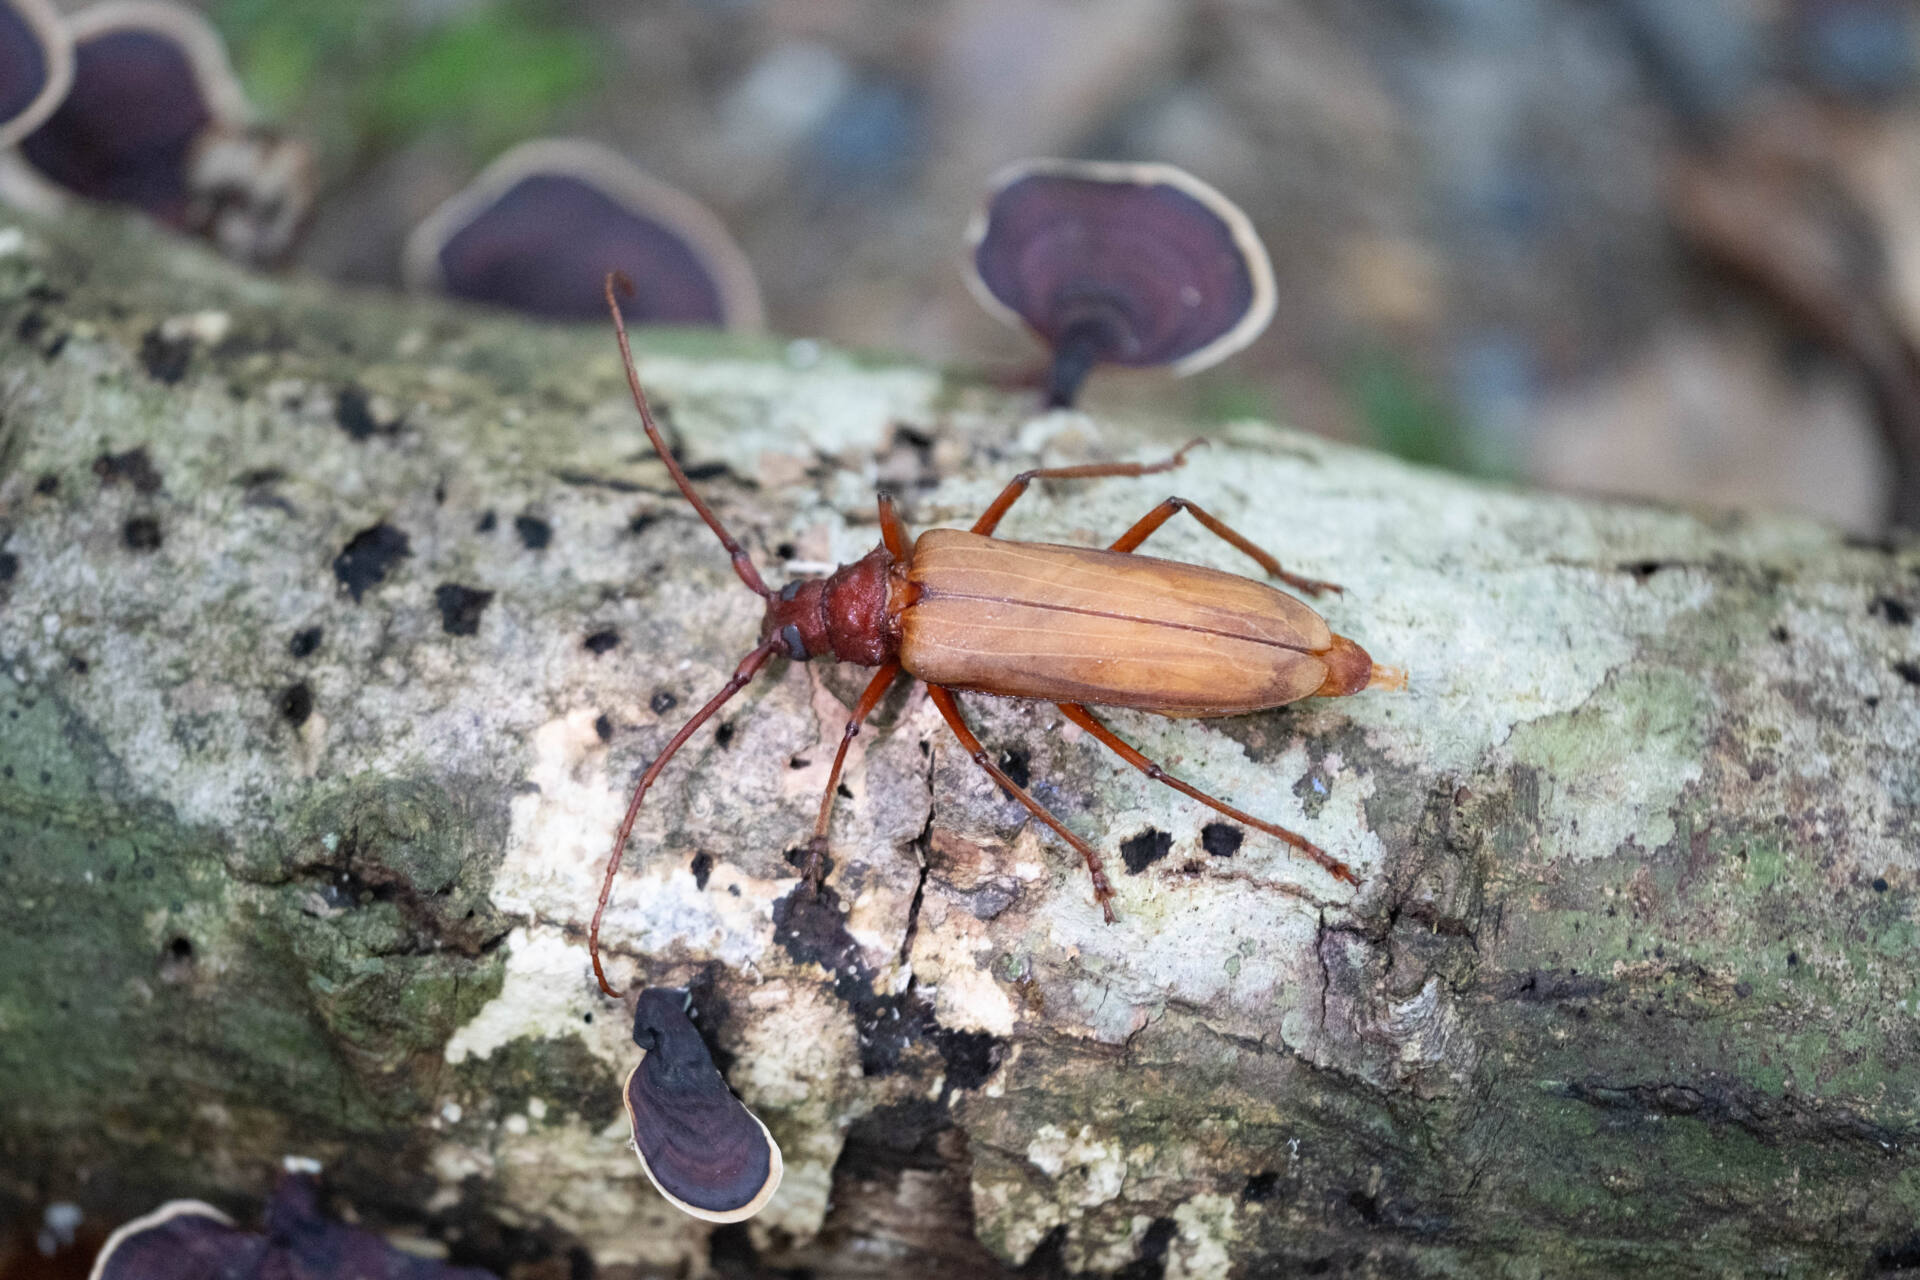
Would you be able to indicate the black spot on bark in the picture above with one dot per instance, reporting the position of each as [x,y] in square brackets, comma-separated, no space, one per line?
[702,868]
[1221,839]
[367,558]
[305,642]
[1145,849]
[9,566]
[808,925]
[1894,611]
[134,467]
[295,704]
[723,736]
[971,1056]
[705,470]
[36,331]
[165,359]
[601,641]
[487,523]
[640,522]
[785,551]
[1260,1188]
[730,1251]
[181,948]
[1365,1205]
[535,533]
[1643,569]
[141,533]
[1879,884]
[355,416]
[1151,1264]
[1049,1257]
[603,727]
[1908,671]
[1018,763]
[662,702]
[461,607]
[1904,1256]
[47,485]
[1779,635]
[1793,959]
[892,1139]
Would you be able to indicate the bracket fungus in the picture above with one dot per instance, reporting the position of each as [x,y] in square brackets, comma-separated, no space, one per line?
[698,1144]
[542,225]
[189,1240]
[36,66]
[1132,264]
[155,118]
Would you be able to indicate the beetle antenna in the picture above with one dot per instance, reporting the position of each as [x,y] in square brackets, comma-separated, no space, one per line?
[749,666]
[742,562]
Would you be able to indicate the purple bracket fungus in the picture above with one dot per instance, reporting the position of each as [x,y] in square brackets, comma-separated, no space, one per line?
[155,118]
[698,1144]
[1132,264]
[36,66]
[541,227]
[188,1240]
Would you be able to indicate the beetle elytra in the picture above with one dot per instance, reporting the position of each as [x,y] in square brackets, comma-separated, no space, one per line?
[963,610]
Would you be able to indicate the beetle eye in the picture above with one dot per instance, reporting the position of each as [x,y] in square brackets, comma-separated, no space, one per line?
[796,647]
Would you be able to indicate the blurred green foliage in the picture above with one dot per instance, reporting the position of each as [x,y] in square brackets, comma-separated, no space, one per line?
[1408,418]
[359,74]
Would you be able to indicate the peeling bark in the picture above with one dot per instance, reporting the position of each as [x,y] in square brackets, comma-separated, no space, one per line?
[334,628]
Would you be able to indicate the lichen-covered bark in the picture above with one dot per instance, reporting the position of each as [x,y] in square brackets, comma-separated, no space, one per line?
[333,629]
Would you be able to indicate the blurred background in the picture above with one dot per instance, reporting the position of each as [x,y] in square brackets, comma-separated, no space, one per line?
[1667,248]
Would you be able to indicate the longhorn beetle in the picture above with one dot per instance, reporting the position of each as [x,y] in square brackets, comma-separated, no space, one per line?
[1067,625]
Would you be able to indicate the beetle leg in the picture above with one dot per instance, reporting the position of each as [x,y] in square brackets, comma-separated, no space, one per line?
[1102,890]
[1145,525]
[1085,719]
[876,689]
[990,518]
[893,530]
[748,668]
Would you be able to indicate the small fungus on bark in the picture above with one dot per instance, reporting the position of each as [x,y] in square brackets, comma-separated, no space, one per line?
[541,227]
[189,1240]
[698,1144]
[36,66]
[1131,264]
[155,118]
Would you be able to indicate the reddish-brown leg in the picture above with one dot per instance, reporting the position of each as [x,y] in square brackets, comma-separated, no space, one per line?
[1085,719]
[1144,527]
[1102,890]
[748,668]
[893,530]
[876,689]
[990,518]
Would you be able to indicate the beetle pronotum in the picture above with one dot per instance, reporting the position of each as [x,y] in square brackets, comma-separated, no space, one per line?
[961,609]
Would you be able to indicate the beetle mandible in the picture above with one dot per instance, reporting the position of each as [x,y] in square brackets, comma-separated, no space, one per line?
[961,609]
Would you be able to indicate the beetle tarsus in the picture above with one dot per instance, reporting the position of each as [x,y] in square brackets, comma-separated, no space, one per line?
[813,873]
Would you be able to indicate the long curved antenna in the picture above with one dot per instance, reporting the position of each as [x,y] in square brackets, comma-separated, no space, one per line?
[742,562]
[748,668]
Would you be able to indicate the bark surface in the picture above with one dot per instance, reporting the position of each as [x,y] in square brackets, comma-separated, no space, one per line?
[334,627]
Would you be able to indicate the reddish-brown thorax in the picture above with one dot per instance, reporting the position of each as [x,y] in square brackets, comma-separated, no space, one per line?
[844,616]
